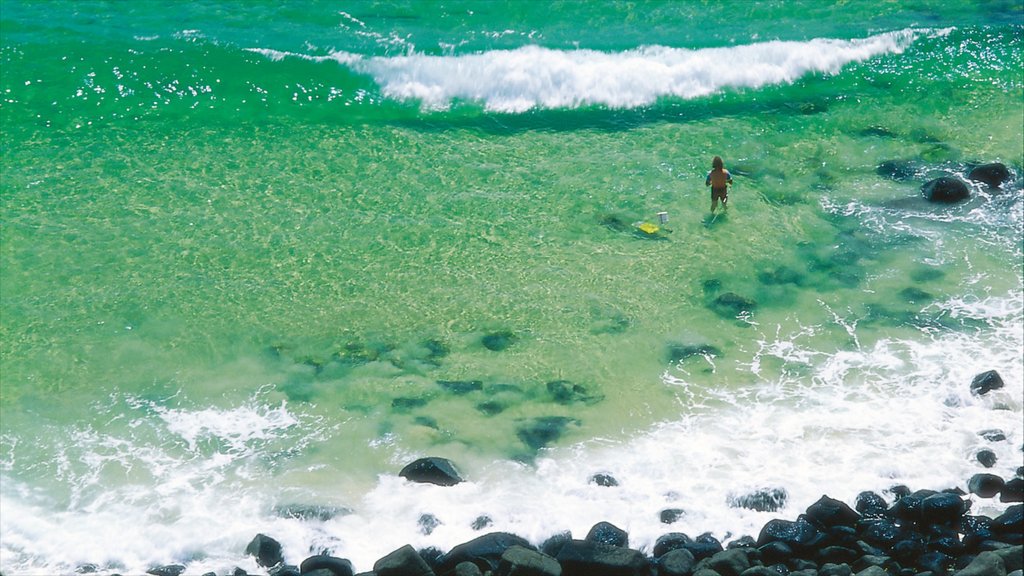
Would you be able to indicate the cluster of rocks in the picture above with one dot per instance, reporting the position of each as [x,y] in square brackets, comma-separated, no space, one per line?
[923,533]
[948,189]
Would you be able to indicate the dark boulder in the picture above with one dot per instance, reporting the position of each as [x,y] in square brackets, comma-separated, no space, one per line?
[761,500]
[871,504]
[608,533]
[828,512]
[985,485]
[907,508]
[730,562]
[336,566]
[671,541]
[947,189]
[836,555]
[428,523]
[1013,491]
[942,508]
[484,551]
[481,522]
[986,382]
[987,458]
[602,479]
[284,570]
[519,561]
[310,512]
[670,515]
[402,562]
[582,558]
[1010,521]
[552,545]
[879,532]
[677,562]
[775,552]
[800,535]
[993,435]
[431,470]
[934,562]
[704,546]
[993,174]
[266,550]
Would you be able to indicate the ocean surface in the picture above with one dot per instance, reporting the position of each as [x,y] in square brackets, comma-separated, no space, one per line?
[255,257]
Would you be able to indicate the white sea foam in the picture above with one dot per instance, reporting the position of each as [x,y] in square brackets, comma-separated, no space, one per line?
[532,77]
[868,418]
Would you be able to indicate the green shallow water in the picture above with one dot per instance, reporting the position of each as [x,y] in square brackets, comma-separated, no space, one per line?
[202,249]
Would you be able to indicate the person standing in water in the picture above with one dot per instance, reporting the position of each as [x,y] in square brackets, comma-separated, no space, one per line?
[719,179]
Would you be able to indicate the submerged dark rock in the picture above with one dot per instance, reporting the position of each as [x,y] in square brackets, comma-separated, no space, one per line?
[540,432]
[498,341]
[730,305]
[432,470]
[898,169]
[679,352]
[566,392]
[946,189]
[461,387]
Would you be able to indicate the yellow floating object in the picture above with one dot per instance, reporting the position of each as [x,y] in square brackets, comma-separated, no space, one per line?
[648,228]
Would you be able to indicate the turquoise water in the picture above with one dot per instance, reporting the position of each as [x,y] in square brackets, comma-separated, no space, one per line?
[259,255]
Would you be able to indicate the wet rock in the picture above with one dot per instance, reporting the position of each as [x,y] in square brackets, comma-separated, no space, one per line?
[1013,491]
[993,174]
[987,458]
[946,189]
[166,570]
[829,512]
[878,532]
[552,545]
[870,504]
[1011,521]
[431,470]
[842,569]
[704,546]
[761,500]
[402,562]
[730,562]
[428,523]
[461,387]
[284,570]
[499,341]
[775,552]
[985,485]
[608,533]
[1013,557]
[582,558]
[467,569]
[331,564]
[671,541]
[836,555]
[730,305]
[670,515]
[677,562]
[942,508]
[606,480]
[935,562]
[986,382]
[993,435]
[481,522]
[540,432]
[266,550]
[984,564]
[483,551]
[520,561]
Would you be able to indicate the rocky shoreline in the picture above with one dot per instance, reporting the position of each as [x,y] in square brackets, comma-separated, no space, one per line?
[919,533]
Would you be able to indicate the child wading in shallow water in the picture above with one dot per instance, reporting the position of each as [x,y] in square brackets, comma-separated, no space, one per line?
[719,179]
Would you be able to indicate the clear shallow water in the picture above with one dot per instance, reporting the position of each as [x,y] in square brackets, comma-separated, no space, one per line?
[239,261]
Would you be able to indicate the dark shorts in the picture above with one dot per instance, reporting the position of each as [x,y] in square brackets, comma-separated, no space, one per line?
[720,194]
